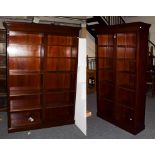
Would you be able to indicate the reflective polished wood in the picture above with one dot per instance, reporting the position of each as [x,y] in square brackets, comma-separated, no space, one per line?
[42,70]
[121,74]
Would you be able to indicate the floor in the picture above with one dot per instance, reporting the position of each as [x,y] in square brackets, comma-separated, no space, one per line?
[100,129]
[61,132]
[96,128]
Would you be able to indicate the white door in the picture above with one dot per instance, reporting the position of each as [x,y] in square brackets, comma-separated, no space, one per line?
[80,105]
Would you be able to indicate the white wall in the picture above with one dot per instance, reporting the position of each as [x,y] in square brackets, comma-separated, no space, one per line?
[90,45]
[1,24]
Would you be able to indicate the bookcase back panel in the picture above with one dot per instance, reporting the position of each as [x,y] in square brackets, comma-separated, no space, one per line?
[2,85]
[105,52]
[24,38]
[25,102]
[106,90]
[24,64]
[27,50]
[60,115]
[59,51]
[57,81]
[59,99]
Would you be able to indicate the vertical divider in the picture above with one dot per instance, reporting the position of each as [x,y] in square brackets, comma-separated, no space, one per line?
[42,72]
[115,71]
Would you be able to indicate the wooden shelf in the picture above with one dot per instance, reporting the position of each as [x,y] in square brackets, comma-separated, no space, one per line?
[125,59]
[109,81]
[108,100]
[111,58]
[23,44]
[128,78]
[2,54]
[127,72]
[3,94]
[49,57]
[24,94]
[2,42]
[24,72]
[2,66]
[3,109]
[27,57]
[105,45]
[126,46]
[59,71]
[125,106]
[127,89]
[3,78]
[33,70]
[50,107]
[106,69]
[24,110]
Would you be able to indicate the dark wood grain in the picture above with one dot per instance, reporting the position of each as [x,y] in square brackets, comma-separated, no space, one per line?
[57,81]
[3,66]
[58,99]
[25,102]
[42,71]
[21,119]
[66,114]
[59,51]
[24,38]
[27,64]
[121,74]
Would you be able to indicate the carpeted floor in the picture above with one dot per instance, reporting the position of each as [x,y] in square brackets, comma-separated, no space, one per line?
[96,128]
[61,132]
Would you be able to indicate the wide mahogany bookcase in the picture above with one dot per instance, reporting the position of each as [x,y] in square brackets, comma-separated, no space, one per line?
[3,82]
[41,74]
[121,74]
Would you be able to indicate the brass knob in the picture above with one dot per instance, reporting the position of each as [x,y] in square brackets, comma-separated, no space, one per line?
[30,119]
